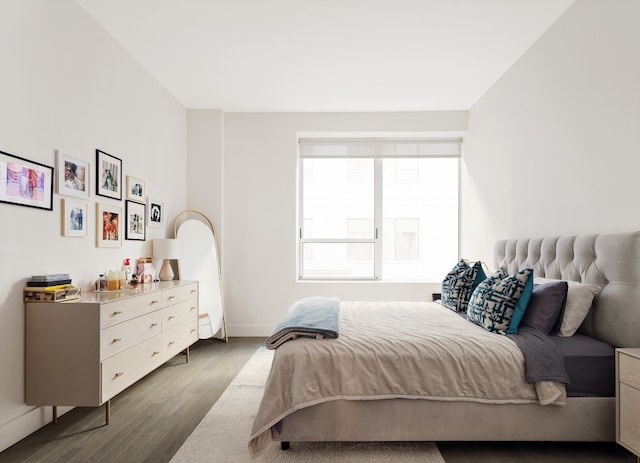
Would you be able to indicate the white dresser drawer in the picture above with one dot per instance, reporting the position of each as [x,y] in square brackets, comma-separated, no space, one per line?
[122,370]
[629,370]
[178,313]
[180,337]
[125,309]
[117,338]
[630,417]
[179,293]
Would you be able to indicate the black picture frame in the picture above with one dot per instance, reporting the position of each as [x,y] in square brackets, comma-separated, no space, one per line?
[108,175]
[25,183]
[135,221]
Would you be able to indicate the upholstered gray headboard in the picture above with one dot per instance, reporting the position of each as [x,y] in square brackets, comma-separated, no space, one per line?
[609,260]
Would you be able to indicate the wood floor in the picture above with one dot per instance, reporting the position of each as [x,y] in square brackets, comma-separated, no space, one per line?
[151,420]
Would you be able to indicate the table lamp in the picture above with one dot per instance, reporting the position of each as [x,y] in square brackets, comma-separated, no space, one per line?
[166,249]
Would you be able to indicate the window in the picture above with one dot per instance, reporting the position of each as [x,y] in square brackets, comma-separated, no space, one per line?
[378,209]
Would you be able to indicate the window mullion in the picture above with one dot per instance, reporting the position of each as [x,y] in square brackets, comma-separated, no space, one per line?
[377,216]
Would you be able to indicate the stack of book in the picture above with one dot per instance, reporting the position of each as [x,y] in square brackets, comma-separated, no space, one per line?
[49,280]
[50,288]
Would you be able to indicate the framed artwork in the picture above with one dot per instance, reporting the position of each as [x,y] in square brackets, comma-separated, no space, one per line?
[72,178]
[108,228]
[108,175]
[155,213]
[74,217]
[135,221]
[135,189]
[25,183]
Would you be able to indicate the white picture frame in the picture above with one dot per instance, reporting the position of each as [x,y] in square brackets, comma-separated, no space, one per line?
[72,176]
[75,217]
[135,189]
[109,220]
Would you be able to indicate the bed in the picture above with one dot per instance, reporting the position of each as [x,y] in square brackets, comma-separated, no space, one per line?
[611,261]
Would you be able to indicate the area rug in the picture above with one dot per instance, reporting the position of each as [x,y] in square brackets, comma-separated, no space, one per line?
[223,434]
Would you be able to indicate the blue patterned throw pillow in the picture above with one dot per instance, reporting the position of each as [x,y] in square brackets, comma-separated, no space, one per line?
[459,283]
[493,302]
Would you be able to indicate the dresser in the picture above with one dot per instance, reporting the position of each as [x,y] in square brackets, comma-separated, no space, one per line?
[628,399]
[86,351]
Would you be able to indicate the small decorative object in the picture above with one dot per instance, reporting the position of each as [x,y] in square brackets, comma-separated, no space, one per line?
[55,294]
[74,217]
[135,189]
[166,249]
[72,178]
[108,175]
[25,183]
[108,226]
[155,213]
[146,271]
[135,221]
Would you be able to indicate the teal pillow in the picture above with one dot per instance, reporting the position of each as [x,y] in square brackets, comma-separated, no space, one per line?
[521,306]
[459,283]
[494,301]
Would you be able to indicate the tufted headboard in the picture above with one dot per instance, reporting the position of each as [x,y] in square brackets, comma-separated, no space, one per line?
[609,260]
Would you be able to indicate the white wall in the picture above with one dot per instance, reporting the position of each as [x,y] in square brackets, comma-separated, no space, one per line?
[259,252]
[554,147]
[205,165]
[65,84]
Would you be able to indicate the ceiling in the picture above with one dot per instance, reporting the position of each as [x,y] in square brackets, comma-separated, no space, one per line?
[326,55]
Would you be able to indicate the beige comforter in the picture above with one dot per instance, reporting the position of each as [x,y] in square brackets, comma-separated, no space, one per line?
[385,350]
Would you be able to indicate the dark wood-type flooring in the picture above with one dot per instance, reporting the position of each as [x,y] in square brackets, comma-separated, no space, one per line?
[151,420]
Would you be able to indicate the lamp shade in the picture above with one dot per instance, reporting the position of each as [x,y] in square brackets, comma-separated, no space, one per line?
[166,249]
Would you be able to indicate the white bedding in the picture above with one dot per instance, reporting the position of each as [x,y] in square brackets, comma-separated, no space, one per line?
[408,350]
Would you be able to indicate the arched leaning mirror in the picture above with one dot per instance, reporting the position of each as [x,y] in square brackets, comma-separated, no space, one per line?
[199,261]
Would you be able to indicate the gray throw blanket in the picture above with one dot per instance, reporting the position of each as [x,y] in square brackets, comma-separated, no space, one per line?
[544,362]
[312,317]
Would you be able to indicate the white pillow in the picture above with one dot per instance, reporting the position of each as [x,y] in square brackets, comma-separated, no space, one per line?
[579,300]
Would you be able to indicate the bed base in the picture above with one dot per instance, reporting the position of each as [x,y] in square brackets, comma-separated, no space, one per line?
[583,419]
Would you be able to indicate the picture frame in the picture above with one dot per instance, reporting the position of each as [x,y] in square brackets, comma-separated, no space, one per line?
[75,217]
[25,183]
[155,213]
[108,226]
[108,175]
[135,221]
[135,189]
[72,178]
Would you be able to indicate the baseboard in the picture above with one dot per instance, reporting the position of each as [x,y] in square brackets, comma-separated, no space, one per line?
[16,430]
[249,331]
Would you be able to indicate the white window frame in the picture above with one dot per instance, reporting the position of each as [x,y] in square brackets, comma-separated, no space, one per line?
[435,148]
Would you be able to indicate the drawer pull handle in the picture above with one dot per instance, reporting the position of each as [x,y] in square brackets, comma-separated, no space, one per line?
[193,291]
[153,325]
[117,312]
[118,374]
[155,352]
[154,302]
[171,297]
[193,308]
[171,343]
[116,340]
[192,330]
[170,317]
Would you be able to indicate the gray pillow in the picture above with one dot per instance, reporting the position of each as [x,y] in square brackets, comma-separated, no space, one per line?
[546,307]
[580,297]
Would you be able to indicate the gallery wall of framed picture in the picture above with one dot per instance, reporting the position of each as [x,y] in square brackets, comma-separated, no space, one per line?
[24,182]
